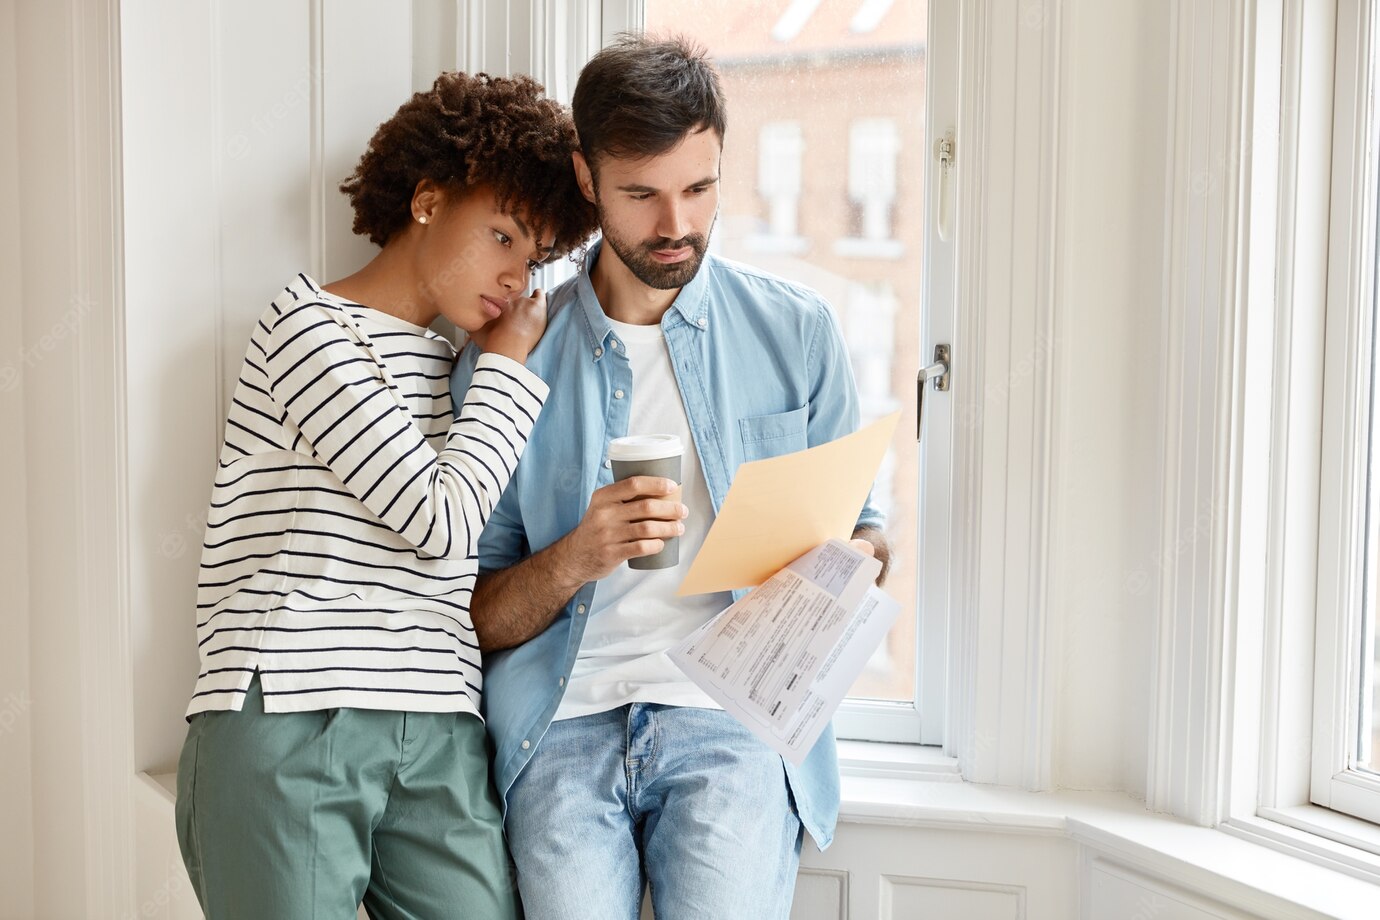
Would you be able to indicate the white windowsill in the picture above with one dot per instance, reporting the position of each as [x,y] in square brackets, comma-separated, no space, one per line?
[897,761]
[913,786]
[1318,833]
[167,782]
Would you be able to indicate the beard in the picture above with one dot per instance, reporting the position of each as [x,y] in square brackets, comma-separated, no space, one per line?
[637,256]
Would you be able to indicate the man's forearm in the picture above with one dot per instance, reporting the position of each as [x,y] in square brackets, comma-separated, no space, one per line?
[881,548]
[625,519]
[515,604]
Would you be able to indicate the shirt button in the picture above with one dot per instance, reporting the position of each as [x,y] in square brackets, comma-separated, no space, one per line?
[561,682]
[526,744]
[613,343]
[608,464]
[580,609]
[617,394]
[701,322]
[598,352]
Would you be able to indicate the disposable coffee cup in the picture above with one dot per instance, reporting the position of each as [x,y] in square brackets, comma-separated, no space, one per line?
[650,455]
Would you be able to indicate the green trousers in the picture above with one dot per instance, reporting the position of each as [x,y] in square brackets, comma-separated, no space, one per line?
[301,816]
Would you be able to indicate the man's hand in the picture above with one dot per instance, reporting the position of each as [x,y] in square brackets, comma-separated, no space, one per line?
[863,547]
[624,520]
[872,541]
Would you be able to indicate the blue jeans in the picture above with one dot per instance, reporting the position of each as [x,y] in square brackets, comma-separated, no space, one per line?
[684,799]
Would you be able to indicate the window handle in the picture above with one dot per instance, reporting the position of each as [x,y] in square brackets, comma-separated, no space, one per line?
[939,373]
[944,152]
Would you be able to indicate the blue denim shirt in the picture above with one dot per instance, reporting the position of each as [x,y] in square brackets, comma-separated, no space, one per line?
[762,371]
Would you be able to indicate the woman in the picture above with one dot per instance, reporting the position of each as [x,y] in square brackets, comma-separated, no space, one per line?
[335,752]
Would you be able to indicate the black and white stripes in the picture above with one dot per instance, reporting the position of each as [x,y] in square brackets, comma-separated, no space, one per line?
[339,551]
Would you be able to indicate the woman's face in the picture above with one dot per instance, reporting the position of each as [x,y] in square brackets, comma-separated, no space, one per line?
[473,259]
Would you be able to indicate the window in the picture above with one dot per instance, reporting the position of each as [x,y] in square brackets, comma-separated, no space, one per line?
[1346,750]
[780,152]
[826,101]
[1368,725]
[872,148]
[1304,770]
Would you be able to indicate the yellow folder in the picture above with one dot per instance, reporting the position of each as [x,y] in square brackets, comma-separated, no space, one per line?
[781,507]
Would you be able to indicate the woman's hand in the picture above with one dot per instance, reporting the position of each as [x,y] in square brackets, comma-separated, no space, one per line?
[517,331]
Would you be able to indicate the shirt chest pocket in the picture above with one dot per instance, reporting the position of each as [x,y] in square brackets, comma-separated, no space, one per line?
[775,434]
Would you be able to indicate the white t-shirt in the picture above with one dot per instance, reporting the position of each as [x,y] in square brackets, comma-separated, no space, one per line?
[636,615]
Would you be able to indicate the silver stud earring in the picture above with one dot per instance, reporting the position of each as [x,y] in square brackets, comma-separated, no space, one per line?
[421,219]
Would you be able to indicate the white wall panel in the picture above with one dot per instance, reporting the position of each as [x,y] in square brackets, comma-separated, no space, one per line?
[16,351]
[267,79]
[483,29]
[171,224]
[435,40]
[920,872]
[820,894]
[1117,893]
[910,898]
[366,49]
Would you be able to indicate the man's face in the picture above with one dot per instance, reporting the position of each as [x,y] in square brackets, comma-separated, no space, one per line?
[656,213]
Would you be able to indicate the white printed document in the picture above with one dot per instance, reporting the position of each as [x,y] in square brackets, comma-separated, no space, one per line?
[782,658]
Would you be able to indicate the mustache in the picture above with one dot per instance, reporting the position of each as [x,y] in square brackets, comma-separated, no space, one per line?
[694,240]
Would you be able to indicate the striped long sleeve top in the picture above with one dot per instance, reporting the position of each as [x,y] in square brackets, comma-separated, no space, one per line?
[340,544]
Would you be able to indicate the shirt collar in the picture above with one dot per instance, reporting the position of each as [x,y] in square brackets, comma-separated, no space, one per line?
[690,307]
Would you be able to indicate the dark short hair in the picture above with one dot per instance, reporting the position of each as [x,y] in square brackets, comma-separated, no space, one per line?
[640,96]
[470,131]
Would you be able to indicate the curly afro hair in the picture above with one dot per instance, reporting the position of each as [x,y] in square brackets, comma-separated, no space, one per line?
[470,131]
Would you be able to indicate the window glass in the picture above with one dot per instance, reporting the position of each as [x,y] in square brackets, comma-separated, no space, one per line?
[825,100]
[1369,743]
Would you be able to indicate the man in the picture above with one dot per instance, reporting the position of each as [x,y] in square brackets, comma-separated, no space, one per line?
[614,768]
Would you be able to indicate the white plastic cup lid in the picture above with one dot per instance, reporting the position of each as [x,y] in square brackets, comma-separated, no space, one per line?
[646,447]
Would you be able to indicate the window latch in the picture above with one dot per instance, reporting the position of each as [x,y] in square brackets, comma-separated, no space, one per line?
[944,153]
[938,372]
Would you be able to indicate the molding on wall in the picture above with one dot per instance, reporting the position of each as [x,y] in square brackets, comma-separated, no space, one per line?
[86,575]
[1203,377]
[469,38]
[317,130]
[17,812]
[619,16]
[107,659]
[1002,706]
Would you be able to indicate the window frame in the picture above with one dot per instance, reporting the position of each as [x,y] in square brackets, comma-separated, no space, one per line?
[1346,419]
[923,718]
[1294,599]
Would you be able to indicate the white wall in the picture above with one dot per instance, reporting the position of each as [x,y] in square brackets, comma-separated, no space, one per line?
[16,784]
[58,840]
